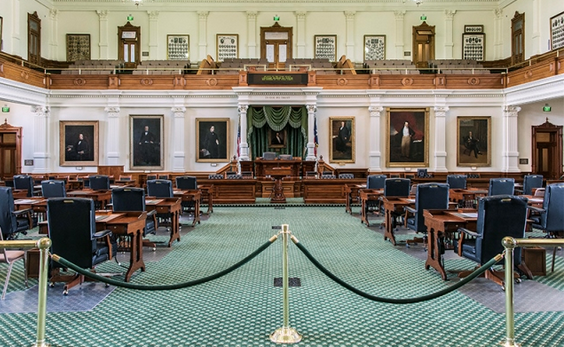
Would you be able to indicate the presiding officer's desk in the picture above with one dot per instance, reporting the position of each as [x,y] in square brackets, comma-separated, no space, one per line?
[263,168]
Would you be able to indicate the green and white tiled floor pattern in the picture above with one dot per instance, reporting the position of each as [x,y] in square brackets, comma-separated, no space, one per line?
[243,307]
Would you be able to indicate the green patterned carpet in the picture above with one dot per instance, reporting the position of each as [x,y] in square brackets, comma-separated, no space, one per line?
[243,307]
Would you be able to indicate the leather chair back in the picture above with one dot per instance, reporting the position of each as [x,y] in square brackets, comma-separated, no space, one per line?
[24,182]
[53,189]
[397,187]
[375,181]
[8,221]
[456,181]
[530,182]
[429,196]
[160,188]
[128,199]
[99,182]
[501,186]
[552,220]
[186,183]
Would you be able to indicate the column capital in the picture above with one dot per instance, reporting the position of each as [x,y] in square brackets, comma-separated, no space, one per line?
[153,15]
[41,111]
[301,14]
[242,108]
[53,13]
[498,12]
[311,108]
[203,14]
[512,110]
[178,111]
[399,14]
[252,15]
[441,110]
[112,111]
[375,111]
[350,14]
[103,14]
[449,14]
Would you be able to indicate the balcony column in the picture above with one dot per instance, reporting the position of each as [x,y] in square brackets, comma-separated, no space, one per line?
[449,44]
[311,155]
[374,150]
[510,131]
[41,139]
[103,40]
[243,145]
[301,34]
[498,34]
[153,34]
[252,34]
[179,130]
[440,140]
[203,33]
[537,22]
[53,42]
[400,16]
[16,32]
[350,46]
[115,137]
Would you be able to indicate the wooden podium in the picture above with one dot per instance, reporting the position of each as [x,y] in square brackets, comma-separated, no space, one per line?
[278,172]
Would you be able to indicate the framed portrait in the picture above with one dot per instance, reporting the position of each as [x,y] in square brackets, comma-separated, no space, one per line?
[227,46]
[342,135]
[374,47]
[178,47]
[407,134]
[78,47]
[474,46]
[557,31]
[146,148]
[78,143]
[277,139]
[1,32]
[212,139]
[474,141]
[325,47]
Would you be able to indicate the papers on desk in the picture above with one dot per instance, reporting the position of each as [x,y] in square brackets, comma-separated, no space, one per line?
[153,202]
[466,215]
[411,201]
[101,217]
[536,200]
[25,201]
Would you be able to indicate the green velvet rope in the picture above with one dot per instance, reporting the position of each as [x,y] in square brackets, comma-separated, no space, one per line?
[457,285]
[67,264]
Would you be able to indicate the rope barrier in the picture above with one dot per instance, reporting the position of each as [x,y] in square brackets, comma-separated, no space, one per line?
[87,273]
[442,292]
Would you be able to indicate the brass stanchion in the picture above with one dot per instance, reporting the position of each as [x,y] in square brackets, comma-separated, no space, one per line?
[43,244]
[285,334]
[509,245]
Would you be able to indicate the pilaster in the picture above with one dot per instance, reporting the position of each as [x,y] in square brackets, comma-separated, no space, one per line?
[115,135]
[510,152]
[243,145]
[203,33]
[400,17]
[153,34]
[440,153]
[53,34]
[301,34]
[179,155]
[41,139]
[350,47]
[449,44]
[103,43]
[374,142]
[311,109]
[252,34]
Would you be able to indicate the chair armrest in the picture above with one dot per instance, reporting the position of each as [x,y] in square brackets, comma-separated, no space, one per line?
[520,191]
[102,233]
[536,209]
[410,209]
[468,232]
[151,213]
[462,232]
[18,213]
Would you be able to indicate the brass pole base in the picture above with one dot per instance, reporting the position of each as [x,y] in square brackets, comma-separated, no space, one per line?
[285,335]
[509,343]
[42,344]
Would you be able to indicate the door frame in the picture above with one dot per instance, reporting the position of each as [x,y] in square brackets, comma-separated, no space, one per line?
[9,129]
[555,133]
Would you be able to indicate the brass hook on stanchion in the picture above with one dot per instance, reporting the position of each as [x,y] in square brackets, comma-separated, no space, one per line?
[285,334]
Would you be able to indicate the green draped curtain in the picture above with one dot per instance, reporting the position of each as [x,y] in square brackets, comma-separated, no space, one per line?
[291,120]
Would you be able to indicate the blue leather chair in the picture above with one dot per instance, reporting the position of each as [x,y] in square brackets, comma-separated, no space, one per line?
[160,188]
[530,182]
[72,230]
[374,182]
[24,182]
[187,183]
[13,222]
[501,186]
[127,199]
[53,189]
[456,181]
[99,182]
[428,196]
[395,187]
[550,218]
[498,216]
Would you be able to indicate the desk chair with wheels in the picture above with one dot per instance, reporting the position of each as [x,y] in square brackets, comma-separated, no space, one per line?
[501,186]
[72,229]
[9,257]
[395,187]
[498,216]
[53,189]
[530,182]
[456,181]
[128,199]
[187,183]
[550,218]
[13,222]
[374,182]
[25,182]
[161,189]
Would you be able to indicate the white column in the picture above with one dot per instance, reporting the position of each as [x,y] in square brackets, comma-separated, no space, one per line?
[510,130]
[536,44]
[301,34]
[350,47]
[103,43]
[311,109]
[399,48]
[449,44]
[179,131]
[154,35]
[53,34]
[374,141]
[41,139]
[440,140]
[498,34]
[244,145]
[115,137]
[203,34]
[16,39]
[252,34]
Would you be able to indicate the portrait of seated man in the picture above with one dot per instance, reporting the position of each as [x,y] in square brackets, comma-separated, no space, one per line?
[277,138]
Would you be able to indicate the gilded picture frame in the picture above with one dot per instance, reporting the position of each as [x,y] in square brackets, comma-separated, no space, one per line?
[146,147]
[277,139]
[78,143]
[407,137]
[325,47]
[212,140]
[342,135]
[227,46]
[473,136]
[78,47]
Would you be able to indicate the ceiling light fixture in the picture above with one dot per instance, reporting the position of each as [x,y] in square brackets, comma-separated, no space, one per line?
[137,2]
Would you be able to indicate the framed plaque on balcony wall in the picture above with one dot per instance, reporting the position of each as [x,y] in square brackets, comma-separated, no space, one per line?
[557,31]
[178,47]
[227,46]
[78,47]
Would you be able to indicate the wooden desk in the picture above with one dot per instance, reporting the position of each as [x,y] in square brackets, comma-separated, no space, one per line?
[352,191]
[75,184]
[19,193]
[191,196]
[466,195]
[170,206]
[365,196]
[101,196]
[36,204]
[439,223]
[264,167]
[207,196]
[393,205]
[278,172]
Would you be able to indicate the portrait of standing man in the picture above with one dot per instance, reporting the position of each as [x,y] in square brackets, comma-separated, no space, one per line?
[212,139]
[146,141]
[342,139]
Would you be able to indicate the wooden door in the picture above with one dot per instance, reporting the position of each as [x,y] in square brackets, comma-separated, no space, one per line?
[34,38]
[517,38]
[10,150]
[276,45]
[129,45]
[547,150]
[423,45]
